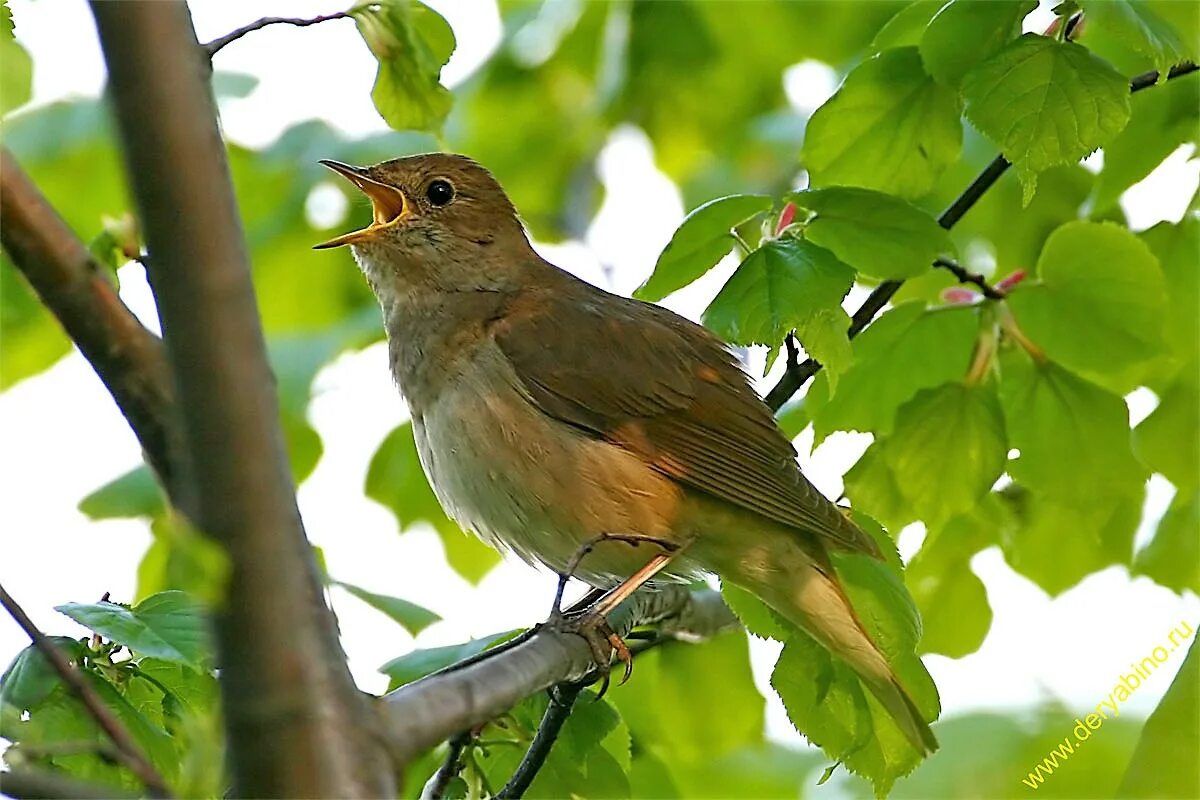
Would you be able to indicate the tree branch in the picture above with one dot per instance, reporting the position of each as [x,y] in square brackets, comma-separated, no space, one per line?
[795,377]
[128,358]
[562,700]
[31,784]
[964,275]
[212,47]
[419,715]
[296,724]
[450,768]
[128,751]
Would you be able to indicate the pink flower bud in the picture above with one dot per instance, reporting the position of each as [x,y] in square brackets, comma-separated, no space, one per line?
[958,296]
[1010,280]
[787,217]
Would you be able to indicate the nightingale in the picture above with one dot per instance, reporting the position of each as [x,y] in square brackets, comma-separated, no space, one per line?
[549,413]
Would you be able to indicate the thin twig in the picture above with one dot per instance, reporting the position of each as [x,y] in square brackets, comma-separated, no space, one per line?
[793,352]
[964,275]
[130,754]
[793,378]
[562,700]
[450,768]
[212,47]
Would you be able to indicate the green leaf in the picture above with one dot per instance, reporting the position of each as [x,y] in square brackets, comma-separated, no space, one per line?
[877,234]
[906,27]
[1073,436]
[233,85]
[1164,763]
[826,337]
[17,82]
[396,480]
[1057,543]
[701,240]
[169,625]
[889,127]
[1162,120]
[1045,102]
[1176,247]
[1164,441]
[905,350]
[827,702]
[182,558]
[944,453]
[1099,304]
[134,494]
[33,339]
[761,771]
[1136,23]
[779,287]
[412,43]
[681,690]
[955,614]
[1172,558]
[758,617]
[964,33]
[30,678]
[419,663]
[410,616]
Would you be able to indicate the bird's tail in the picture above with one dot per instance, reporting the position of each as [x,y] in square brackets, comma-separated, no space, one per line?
[814,600]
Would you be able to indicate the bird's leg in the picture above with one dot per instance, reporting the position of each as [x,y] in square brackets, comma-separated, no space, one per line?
[592,622]
[633,539]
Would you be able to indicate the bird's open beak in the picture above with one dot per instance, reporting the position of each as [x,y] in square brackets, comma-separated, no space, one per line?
[388,203]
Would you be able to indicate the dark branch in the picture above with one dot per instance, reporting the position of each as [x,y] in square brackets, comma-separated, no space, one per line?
[420,714]
[795,377]
[212,47]
[127,749]
[127,357]
[562,700]
[966,276]
[38,784]
[450,768]
[296,724]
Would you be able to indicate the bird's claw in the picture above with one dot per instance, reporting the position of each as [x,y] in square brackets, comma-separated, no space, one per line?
[601,639]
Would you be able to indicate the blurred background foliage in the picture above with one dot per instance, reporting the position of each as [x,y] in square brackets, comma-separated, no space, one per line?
[1034,455]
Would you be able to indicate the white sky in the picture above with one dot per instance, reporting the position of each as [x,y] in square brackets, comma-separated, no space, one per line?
[62,437]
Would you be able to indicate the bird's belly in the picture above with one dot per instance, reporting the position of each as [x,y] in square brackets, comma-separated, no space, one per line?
[524,481]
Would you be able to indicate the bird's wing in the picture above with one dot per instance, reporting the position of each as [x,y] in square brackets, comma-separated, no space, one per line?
[671,392]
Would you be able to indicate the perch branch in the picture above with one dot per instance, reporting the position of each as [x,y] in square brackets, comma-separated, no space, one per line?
[127,749]
[419,715]
[795,377]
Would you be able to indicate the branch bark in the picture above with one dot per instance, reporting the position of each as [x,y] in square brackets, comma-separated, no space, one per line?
[419,715]
[795,377]
[296,725]
[31,784]
[129,359]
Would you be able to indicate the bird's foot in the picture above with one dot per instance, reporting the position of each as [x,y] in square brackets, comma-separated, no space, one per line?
[602,640]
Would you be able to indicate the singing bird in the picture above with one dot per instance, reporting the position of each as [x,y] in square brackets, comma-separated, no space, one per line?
[548,412]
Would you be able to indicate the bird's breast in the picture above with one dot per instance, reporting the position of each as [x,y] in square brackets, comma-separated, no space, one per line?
[525,481]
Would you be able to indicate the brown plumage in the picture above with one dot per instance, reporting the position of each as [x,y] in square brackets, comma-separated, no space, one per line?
[547,411]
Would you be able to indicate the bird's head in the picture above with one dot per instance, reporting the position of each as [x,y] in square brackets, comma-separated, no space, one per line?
[437,216]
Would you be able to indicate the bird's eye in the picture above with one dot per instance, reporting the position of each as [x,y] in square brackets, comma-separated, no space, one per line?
[439,192]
